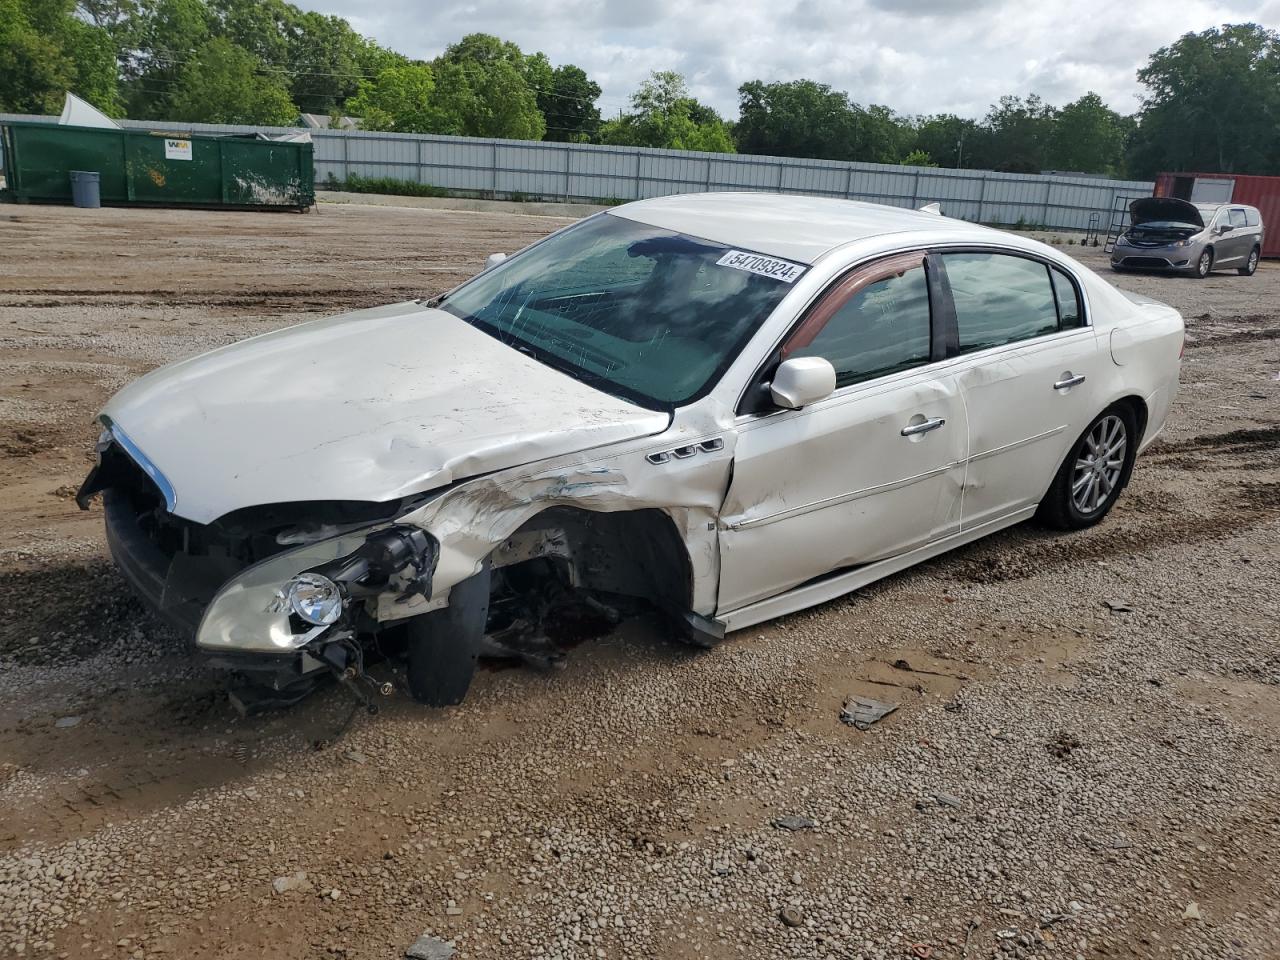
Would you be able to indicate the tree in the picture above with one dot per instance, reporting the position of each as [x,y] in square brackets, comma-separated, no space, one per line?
[953,141]
[265,28]
[46,50]
[324,62]
[223,84]
[1087,137]
[666,116]
[168,34]
[1020,131]
[482,90]
[399,99]
[1212,103]
[569,106]
[799,118]
[918,158]
[881,136]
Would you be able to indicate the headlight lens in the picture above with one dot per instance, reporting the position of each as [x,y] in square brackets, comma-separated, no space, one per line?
[316,599]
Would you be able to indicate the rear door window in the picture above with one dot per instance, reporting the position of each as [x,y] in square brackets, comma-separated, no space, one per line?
[1000,299]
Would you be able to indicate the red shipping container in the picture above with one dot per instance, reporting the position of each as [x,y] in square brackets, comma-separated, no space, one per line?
[1260,192]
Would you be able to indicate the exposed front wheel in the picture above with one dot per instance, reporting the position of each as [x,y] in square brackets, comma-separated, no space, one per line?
[1203,265]
[443,644]
[1091,478]
[1251,265]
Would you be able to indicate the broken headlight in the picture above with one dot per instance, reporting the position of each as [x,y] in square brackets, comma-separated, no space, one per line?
[315,598]
[319,596]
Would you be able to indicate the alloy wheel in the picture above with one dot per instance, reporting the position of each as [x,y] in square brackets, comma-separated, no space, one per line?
[1206,261]
[1099,463]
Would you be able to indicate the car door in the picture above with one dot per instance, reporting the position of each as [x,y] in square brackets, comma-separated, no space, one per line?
[1234,245]
[1028,363]
[873,470]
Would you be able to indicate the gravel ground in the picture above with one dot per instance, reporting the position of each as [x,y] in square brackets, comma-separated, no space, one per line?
[1083,762]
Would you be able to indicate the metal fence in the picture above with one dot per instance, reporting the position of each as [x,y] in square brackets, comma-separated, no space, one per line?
[585,172]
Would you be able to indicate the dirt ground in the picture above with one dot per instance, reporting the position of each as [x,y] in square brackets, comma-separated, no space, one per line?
[1083,763]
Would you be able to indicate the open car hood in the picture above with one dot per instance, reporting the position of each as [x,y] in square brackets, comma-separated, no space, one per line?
[369,406]
[1149,209]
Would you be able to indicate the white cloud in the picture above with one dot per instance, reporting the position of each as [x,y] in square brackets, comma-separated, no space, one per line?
[916,56]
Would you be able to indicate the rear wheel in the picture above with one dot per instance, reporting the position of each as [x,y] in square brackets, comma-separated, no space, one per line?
[1204,265]
[1095,471]
[1251,265]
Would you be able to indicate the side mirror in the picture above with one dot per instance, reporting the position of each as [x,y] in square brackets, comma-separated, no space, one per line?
[493,259]
[801,381]
[1226,228]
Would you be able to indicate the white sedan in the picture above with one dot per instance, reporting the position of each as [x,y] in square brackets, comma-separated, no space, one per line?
[725,407]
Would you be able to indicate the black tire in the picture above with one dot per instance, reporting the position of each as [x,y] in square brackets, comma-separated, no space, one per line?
[443,644]
[1251,265]
[1060,507]
[1204,264]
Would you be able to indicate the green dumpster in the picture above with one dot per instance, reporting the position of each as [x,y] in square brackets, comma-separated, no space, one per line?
[158,168]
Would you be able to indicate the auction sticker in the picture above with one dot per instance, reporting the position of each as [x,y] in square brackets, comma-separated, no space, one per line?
[177,149]
[771,267]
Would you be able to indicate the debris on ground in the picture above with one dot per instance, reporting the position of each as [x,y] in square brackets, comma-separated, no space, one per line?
[1062,745]
[1117,606]
[792,916]
[428,947]
[1192,912]
[793,822]
[297,881]
[63,723]
[862,712]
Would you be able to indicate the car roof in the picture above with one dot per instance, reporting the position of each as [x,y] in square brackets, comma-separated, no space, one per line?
[790,226]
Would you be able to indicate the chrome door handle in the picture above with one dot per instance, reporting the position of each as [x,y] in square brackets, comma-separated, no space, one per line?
[914,428]
[1069,382]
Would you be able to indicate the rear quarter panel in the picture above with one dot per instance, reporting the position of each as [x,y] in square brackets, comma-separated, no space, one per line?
[1144,338]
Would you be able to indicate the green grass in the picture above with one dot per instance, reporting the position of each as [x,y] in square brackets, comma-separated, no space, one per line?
[387,185]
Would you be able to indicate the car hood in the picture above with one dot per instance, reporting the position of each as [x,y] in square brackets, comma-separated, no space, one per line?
[1149,209]
[369,406]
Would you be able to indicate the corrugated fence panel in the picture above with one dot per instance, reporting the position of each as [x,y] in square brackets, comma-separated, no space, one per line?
[547,170]
[603,173]
[664,172]
[819,178]
[742,173]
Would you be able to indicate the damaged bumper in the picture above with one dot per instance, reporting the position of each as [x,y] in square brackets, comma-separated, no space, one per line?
[256,586]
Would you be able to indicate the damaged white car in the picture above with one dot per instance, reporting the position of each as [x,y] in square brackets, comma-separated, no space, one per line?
[723,407]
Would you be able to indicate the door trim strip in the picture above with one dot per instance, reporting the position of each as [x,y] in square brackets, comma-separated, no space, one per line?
[1017,443]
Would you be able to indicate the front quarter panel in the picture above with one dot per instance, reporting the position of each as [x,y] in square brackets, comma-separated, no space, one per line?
[474,518]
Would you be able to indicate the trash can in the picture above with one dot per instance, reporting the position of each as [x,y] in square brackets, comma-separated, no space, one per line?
[84,189]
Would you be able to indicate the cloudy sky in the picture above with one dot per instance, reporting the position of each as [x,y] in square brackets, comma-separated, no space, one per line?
[916,56]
